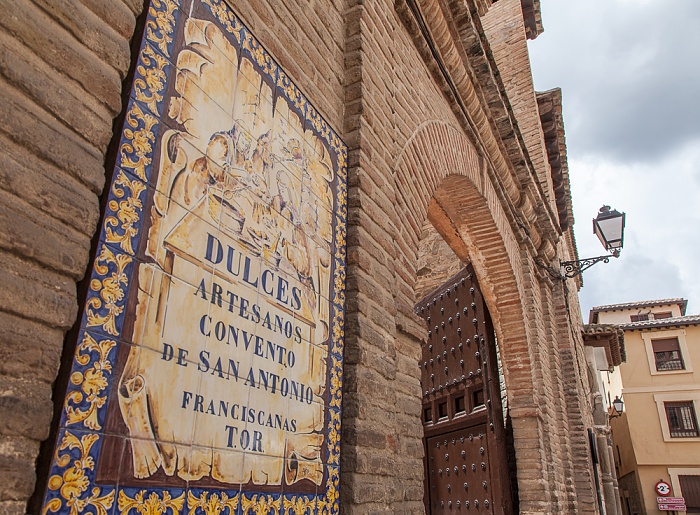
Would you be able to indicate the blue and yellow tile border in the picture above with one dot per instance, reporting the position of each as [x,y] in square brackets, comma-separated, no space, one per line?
[71,486]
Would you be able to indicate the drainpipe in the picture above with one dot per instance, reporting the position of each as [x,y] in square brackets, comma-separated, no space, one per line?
[594,459]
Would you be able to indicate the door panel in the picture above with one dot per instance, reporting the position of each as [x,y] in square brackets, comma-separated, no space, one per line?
[459,471]
[466,462]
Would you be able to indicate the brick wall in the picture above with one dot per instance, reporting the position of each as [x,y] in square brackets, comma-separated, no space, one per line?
[428,143]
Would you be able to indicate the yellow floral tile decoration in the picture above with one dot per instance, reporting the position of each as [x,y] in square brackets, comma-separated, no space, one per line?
[74,482]
[150,503]
[92,382]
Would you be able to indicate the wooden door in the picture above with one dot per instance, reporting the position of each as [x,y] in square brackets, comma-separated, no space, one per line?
[466,452]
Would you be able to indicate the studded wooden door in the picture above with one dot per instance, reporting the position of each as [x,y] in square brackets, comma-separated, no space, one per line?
[466,458]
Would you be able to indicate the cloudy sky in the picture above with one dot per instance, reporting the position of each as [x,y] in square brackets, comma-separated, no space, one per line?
[630,75]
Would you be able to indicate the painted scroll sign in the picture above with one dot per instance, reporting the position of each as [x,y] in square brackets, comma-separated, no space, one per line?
[208,369]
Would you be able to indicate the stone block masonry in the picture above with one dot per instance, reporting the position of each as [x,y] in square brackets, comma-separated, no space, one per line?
[61,71]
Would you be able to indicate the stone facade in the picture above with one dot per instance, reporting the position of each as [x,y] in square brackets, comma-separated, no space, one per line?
[630,493]
[435,102]
[436,261]
[62,70]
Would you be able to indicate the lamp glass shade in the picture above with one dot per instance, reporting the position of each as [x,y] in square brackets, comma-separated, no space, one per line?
[609,227]
[618,405]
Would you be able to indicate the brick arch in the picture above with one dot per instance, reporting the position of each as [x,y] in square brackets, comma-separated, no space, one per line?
[440,177]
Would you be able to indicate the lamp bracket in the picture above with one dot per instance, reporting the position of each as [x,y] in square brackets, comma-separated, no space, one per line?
[553,272]
[571,269]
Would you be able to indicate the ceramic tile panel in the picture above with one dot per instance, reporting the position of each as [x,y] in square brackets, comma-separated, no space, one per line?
[208,368]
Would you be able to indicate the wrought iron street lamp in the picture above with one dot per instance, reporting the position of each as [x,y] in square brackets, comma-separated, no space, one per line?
[618,406]
[609,227]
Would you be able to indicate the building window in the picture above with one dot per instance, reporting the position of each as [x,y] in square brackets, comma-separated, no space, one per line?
[682,422]
[667,354]
[662,314]
[639,318]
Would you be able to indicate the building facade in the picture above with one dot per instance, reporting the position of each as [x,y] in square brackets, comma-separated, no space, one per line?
[364,137]
[656,437]
[605,350]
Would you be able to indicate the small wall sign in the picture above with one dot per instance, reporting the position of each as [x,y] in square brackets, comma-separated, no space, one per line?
[663,488]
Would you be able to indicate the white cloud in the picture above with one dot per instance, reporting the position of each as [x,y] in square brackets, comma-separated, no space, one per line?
[629,74]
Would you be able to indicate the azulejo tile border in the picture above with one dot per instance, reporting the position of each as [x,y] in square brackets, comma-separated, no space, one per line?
[72,487]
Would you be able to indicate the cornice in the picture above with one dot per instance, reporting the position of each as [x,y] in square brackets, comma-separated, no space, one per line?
[549,104]
[608,336]
[532,18]
[658,303]
[452,42]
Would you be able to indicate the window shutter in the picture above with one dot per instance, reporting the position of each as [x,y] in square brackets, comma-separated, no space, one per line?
[665,345]
[690,486]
